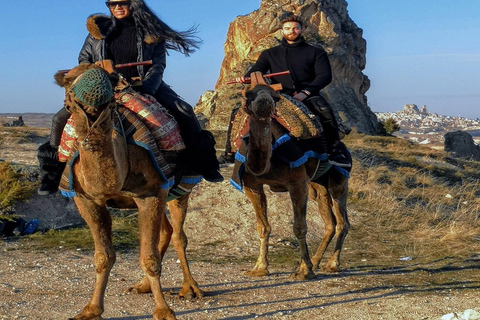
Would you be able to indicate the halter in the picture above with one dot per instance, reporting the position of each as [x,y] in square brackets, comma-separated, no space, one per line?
[85,143]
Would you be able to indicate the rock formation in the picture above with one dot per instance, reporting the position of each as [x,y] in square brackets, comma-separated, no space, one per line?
[328,25]
[460,144]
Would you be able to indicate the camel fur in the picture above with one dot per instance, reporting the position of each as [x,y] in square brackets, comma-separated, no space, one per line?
[107,169]
[329,191]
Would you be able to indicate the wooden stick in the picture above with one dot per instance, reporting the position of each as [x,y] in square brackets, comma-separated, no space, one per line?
[268,75]
[119,66]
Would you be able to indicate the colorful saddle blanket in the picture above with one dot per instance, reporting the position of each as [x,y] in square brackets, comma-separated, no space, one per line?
[142,121]
[293,115]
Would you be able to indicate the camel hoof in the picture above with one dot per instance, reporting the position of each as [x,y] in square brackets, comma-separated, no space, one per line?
[142,287]
[89,313]
[331,269]
[190,294]
[303,276]
[257,273]
[164,314]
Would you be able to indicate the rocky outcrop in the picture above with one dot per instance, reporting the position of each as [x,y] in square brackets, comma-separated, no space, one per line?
[329,26]
[460,144]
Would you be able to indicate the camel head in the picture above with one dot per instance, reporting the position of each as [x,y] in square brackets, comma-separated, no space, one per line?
[88,87]
[260,102]
[89,97]
[260,106]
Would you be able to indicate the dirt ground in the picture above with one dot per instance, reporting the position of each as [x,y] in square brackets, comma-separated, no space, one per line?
[56,283]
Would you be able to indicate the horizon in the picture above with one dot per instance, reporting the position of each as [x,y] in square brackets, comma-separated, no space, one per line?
[416,53]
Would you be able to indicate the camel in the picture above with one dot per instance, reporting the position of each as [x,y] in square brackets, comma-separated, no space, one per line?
[109,169]
[329,191]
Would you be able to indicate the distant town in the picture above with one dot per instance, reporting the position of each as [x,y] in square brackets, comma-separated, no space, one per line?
[427,128]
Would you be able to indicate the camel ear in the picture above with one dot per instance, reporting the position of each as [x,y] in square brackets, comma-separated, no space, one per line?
[113,77]
[250,95]
[60,79]
[275,95]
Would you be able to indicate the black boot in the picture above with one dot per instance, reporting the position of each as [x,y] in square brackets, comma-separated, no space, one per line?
[322,109]
[52,169]
[228,156]
[207,161]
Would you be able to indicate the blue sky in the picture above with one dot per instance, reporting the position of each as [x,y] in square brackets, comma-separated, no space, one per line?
[423,52]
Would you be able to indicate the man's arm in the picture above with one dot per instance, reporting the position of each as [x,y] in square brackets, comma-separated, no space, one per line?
[262,65]
[323,72]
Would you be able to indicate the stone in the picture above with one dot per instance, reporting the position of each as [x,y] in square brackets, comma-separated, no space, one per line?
[329,26]
[460,144]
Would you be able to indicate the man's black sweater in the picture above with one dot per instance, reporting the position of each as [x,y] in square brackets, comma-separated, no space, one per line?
[309,66]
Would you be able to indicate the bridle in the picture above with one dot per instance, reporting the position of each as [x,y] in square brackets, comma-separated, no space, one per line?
[106,112]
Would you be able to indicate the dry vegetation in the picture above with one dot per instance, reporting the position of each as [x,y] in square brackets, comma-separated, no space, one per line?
[414,200]
[405,200]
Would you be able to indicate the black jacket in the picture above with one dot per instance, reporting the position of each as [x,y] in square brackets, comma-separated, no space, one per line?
[309,67]
[94,49]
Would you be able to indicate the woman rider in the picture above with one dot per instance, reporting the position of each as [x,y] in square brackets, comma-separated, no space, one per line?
[134,33]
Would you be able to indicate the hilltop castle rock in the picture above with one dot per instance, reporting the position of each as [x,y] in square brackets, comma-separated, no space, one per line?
[329,26]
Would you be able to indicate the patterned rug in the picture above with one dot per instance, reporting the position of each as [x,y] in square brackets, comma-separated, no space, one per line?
[143,122]
[290,113]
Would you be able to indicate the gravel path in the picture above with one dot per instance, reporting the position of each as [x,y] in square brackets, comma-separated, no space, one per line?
[56,284]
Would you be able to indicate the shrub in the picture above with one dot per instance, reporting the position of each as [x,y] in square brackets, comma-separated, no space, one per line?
[390,125]
[13,188]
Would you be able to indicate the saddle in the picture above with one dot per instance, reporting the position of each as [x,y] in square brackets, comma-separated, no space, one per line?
[144,122]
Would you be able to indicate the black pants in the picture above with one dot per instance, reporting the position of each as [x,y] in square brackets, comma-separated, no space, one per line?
[321,108]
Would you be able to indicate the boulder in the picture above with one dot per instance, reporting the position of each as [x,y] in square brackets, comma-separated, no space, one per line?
[460,144]
[327,25]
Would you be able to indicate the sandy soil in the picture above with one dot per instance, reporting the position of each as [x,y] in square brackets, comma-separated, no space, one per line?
[56,284]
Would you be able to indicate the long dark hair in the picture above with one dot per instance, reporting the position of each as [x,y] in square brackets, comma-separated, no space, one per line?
[182,41]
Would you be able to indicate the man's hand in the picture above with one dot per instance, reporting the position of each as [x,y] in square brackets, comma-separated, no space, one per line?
[241,80]
[300,96]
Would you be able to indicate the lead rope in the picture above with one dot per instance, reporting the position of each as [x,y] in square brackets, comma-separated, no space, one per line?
[124,135]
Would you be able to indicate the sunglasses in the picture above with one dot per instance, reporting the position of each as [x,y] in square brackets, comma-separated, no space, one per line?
[111,4]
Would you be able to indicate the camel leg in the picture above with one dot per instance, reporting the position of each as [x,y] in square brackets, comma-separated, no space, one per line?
[299,197]
[151,212]
[98,219]
[178,213]
[259,202]
[319,193]
[143,286]
[339,206]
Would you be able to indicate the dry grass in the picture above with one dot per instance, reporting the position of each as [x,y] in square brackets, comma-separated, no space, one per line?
[18,135]
[414,201]
[13,188]
[404,200]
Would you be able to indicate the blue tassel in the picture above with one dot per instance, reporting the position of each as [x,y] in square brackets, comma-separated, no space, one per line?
[342,171]
[283,139]
[236,185]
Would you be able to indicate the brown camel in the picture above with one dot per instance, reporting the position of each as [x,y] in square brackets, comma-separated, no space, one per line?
[329,191]
[109,169]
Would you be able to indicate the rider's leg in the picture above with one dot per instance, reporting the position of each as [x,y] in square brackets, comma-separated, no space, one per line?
[323,110]
[47,155]
[228,156]
[200,143]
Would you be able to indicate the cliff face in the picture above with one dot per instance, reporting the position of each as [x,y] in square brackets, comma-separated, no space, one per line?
[328,26]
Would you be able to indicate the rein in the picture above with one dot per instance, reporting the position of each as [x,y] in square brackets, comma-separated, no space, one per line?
[85,143]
